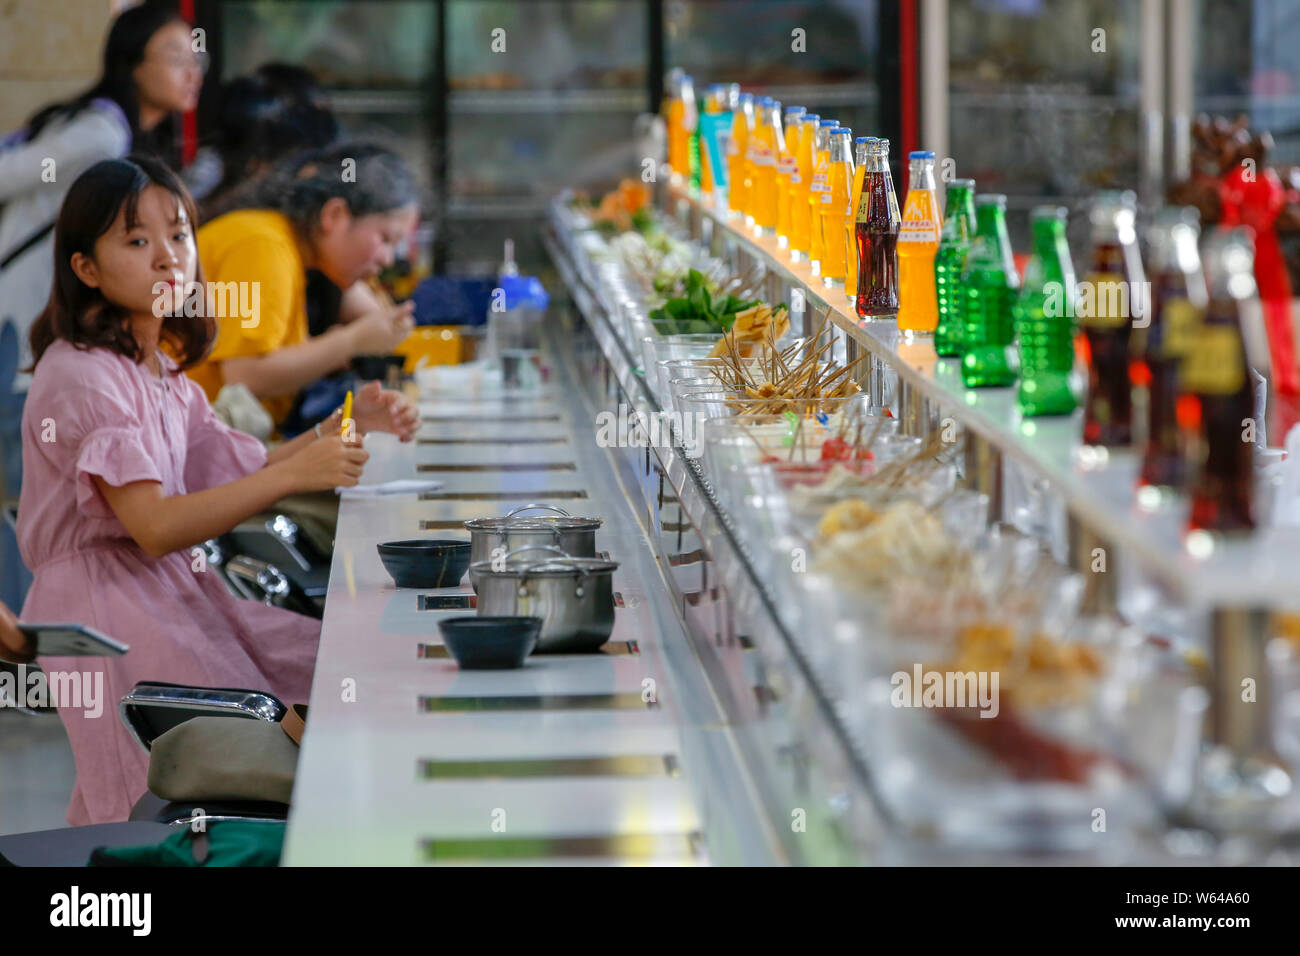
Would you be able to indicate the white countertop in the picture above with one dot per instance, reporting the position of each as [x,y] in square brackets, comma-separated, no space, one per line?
[360,796]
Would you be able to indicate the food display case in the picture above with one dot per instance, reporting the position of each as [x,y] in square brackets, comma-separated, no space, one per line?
[991,543]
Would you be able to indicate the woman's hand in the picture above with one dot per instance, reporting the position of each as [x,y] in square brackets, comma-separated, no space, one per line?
[15,646]
[380,332]
[378,409]
[326,464]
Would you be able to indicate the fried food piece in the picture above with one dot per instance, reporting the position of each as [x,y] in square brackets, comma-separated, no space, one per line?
[852,514]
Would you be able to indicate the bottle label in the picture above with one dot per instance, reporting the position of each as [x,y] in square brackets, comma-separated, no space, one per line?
[1216,364]
[786,165]
[864,207]
[794,177]
[763,156]
[1182,319]
[1103,301]
[918,230]
[826,195]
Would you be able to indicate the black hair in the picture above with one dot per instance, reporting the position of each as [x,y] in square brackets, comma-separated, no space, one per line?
[123,52]
[264,117]
[80,314]
[369,178]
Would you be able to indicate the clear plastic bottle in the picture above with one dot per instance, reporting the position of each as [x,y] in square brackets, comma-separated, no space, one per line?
[918,242]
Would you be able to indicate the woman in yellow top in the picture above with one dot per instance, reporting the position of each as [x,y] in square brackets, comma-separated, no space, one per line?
[341,211]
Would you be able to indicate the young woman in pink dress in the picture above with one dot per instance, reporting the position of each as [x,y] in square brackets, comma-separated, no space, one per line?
[126,469]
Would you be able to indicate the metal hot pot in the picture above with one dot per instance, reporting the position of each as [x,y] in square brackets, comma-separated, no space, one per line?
[573,596]
[574,536]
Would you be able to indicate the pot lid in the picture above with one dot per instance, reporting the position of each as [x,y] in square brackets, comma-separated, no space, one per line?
[546,523]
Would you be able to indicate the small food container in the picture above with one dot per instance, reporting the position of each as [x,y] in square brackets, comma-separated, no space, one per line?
[490,643]
[425,563]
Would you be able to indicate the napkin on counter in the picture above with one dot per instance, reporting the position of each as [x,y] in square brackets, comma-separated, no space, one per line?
[403,486]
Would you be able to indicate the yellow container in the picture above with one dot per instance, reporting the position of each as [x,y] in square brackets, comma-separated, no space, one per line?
[432,345]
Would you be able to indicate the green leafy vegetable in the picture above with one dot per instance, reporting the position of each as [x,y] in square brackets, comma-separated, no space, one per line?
[696,311]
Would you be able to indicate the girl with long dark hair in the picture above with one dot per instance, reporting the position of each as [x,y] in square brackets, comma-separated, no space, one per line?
[150,74]
[127,471]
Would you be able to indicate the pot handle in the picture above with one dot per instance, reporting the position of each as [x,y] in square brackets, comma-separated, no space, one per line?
[538,507]
[538,547]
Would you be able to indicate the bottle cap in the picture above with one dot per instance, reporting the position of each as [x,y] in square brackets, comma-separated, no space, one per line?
[830,122]
[794,109]
[961,184]
[811,118]
[865,139]
[991,199]
[920,154]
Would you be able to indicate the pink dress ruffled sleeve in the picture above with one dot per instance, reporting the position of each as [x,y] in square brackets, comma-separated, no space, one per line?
[95,413]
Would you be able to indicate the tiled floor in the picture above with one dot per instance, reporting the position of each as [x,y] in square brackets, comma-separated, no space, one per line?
[36,772]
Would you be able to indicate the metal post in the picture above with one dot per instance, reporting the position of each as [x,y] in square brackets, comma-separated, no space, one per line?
[1090,558]
[1241,779]
[984,472]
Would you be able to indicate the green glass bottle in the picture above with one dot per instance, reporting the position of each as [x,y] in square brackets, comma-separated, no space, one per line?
[954,243]
[990,283]
[1044,317]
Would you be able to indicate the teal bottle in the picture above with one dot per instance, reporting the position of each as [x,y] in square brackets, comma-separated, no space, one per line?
[990,284]
[1044,317]
[949,261]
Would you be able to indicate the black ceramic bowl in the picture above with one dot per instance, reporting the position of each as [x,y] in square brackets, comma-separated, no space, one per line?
[482,643]
[382,367]
[425,562]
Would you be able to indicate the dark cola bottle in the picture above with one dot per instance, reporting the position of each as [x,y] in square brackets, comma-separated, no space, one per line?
[1218,397]
[1111,296]
[1160,345]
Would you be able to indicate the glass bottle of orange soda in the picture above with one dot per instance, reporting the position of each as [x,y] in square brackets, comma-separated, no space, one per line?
[674,108]
[835,207]
[800,180]
[860,147]
[918,241]
[785,167]
[767,147]
[742,122]
[816,189]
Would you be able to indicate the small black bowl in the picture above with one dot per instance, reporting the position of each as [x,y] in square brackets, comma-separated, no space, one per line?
[425,562]
[490,643]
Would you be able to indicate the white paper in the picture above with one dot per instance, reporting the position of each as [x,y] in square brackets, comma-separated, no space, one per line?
[403,486]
